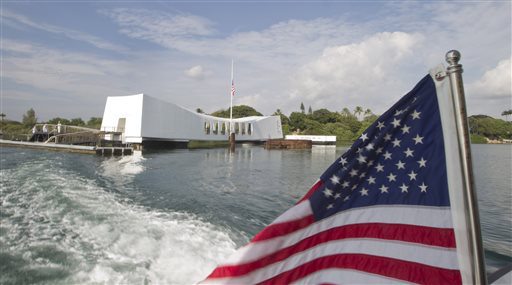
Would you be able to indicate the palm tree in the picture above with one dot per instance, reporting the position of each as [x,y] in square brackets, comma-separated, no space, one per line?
[368,112]
[507,113]
[358,111]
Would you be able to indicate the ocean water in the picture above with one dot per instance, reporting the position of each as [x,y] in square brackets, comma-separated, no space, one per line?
[168,217]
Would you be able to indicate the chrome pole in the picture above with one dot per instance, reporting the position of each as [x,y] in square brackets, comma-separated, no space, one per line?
[454,71]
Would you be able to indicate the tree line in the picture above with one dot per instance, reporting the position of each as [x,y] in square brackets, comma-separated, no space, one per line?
[346,125]
[13,129]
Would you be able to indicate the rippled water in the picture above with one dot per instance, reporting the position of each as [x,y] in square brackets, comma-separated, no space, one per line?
[168,217]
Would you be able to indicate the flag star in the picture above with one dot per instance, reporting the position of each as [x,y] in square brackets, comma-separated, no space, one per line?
[415,115]
[353,172]
[364,137]
[337,196]
[346,198]
[391,177]
[408,152]
[335,179]
[362,175]
[396,142]
[371,180]
[412,175]
[364,192]
[387,137]
[400,165]
[423,187]
[387,155]
[359,150]
[379,167]
[380,125]
[330,206]
[354,187]
[369,146]
[343,160]
[383,189]
[414,99]
[370,163]
[361,158]
[405,129]
[345,184]
[344,168]
[422,162]
[395,123]
[327,192]
[404,188]
[418,139]
[379,150]
[398,112]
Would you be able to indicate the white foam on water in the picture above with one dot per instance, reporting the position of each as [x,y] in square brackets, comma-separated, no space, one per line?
[105,239]
[120,167]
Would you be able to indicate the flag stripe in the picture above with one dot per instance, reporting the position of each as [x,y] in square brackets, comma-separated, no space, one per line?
[420,256]
[406,233]
[296,212]
[402,270]
[285,228]
[436,217]
[345,276]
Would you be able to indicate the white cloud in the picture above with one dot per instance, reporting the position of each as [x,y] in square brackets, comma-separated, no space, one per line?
[17,21]
[356,74]
[195,72]
[495,83]
[158,26]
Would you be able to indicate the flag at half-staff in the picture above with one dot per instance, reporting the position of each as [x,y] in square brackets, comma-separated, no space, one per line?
[389,210]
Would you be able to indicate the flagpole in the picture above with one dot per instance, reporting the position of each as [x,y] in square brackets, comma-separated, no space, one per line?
[231,106]
[231,127]
[454,71]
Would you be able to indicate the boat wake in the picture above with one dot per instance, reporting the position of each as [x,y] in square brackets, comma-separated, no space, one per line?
[61,227]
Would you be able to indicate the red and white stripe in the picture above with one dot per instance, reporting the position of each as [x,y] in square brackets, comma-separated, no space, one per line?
[376,244]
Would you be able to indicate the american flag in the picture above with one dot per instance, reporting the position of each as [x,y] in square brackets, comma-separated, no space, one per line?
[380,213]
[232,87]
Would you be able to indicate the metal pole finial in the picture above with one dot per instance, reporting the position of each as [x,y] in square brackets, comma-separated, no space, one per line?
[453,57]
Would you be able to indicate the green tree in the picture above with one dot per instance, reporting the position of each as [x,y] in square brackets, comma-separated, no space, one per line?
[302,109]
[358,111]
[323,116]
[3,116]
[297,121]
[94,122]
[489,127]
[367,113]
[310,111]
[56,120]
[76,122]
[238,112]
[29,118]
[507,113]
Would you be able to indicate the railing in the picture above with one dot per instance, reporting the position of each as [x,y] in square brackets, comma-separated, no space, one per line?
[62,129]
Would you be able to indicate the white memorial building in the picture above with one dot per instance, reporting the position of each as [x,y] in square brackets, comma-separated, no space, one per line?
[141,118]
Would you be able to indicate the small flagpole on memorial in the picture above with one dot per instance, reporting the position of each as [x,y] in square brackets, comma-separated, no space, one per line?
[454,71]
[231,128]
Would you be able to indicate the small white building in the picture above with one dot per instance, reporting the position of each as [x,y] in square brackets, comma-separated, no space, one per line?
[143,118]
[325,140]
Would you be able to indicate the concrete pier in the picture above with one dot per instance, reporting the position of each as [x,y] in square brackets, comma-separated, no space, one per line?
[107,151]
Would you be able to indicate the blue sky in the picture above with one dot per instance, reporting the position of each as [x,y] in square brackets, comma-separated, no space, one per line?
[63,58]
